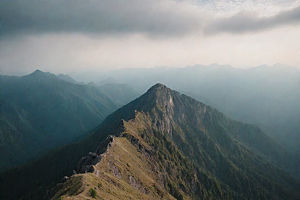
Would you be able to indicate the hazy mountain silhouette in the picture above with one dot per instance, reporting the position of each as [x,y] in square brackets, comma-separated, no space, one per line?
[121,94]
[267,96]
[41,112]
[67,78]
[164,145]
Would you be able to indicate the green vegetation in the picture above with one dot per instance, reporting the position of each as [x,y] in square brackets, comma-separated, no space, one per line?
[267,96]
[169,144]
[93,192]
[239,157]
[40,112]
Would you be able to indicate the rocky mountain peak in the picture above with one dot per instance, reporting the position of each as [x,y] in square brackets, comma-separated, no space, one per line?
[157,86]
[163,96]
[169,107]
[172,102]
[170,146]
[188,142]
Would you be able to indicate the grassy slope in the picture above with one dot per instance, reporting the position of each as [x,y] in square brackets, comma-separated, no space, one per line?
[196,157]
[111,176]
[163,174]
[218,158]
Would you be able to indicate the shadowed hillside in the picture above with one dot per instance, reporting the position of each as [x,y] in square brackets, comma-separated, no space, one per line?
[40,112]
[188,148]
[267,96]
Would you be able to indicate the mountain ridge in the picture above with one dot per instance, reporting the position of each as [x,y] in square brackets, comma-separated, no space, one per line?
[67,78]
[120,93]
[156,119]
[47,112]
[192,151]
[265,96]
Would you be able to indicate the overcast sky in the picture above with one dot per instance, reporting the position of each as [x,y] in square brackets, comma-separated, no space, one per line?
[62,36]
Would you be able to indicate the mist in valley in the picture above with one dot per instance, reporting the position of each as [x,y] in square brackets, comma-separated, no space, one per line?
[101,96]
[267,96]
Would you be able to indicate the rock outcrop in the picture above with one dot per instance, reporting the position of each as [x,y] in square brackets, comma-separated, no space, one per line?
[167,145]
[86,163]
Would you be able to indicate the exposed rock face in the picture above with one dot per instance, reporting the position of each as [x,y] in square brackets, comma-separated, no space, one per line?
[137,185]
[170,143]
[116,171]
[86,163]
[176,108]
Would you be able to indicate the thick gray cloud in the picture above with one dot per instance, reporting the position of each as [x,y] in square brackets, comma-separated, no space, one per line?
[97,16]
[150,17]
[246,22]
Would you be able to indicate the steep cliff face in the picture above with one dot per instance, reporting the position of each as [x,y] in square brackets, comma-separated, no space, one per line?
[168,145]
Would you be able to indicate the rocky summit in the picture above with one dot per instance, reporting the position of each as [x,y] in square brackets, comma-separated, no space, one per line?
[170,146]
[163,145]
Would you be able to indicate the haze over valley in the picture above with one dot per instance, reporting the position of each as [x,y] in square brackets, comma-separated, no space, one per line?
[119,99]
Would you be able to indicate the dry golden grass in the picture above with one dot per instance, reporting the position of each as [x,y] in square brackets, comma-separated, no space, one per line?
[111,179]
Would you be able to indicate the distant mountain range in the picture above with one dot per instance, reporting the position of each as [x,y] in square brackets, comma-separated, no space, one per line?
[120,93]
[267,96]
[164,145]
[68,79]
[40,112]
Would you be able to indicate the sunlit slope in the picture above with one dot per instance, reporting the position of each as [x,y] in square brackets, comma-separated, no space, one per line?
[189,150]
[123,173]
